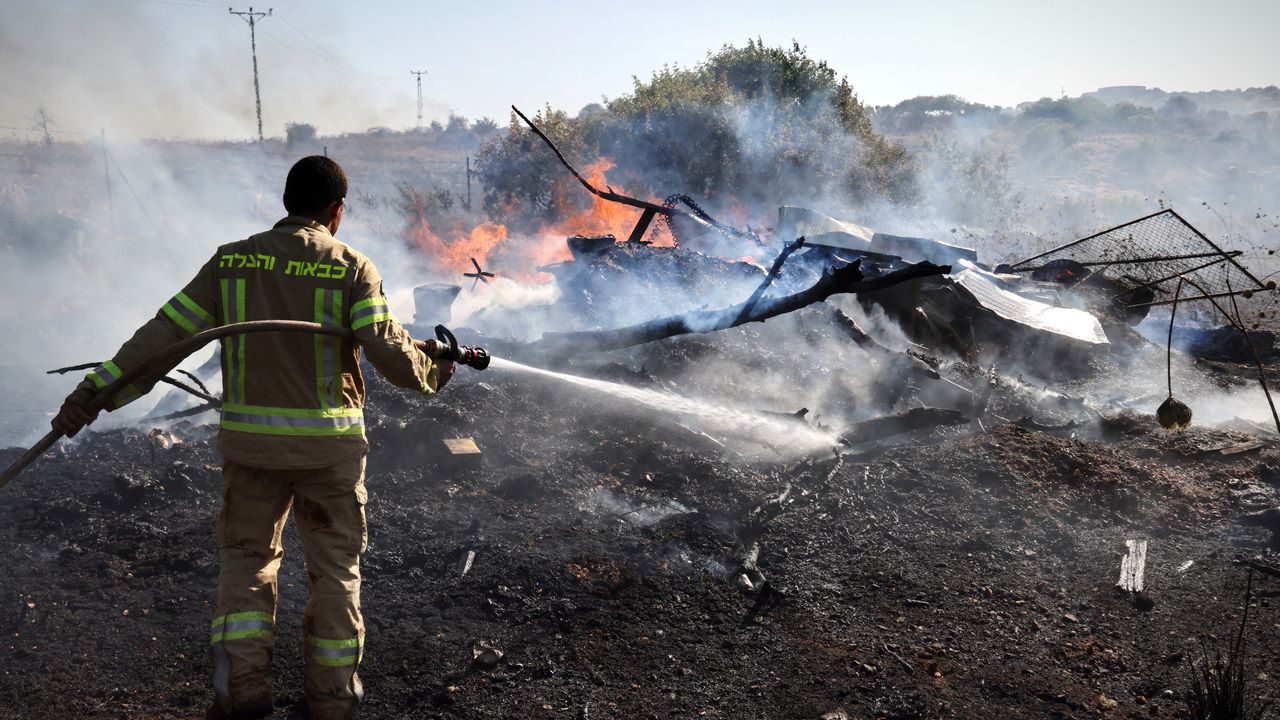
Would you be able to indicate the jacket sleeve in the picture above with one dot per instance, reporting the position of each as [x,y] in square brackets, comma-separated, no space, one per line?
[385,341]
[192,310]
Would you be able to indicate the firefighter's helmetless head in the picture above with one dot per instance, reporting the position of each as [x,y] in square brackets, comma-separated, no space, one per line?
[317,189]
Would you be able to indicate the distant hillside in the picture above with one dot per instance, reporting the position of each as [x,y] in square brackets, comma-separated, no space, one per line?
[1061,168]
[1233,102]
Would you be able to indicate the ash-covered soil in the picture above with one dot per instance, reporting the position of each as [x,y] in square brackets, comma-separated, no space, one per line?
[969,574]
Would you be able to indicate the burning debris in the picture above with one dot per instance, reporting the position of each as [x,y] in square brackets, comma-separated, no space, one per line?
[825,446]
[479,275]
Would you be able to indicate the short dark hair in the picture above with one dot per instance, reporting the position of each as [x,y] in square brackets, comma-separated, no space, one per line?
[313,184]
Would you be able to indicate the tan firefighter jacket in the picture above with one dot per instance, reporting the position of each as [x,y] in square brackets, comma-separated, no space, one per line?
[290,400]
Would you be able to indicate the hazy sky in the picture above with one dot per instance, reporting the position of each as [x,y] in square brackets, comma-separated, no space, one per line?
[182,67]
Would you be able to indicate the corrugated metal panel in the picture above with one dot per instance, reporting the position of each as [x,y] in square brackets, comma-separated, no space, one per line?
[988,289]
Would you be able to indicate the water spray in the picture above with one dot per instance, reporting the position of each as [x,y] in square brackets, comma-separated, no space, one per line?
[781,435]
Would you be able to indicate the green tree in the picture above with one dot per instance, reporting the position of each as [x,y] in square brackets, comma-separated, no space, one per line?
[748,124]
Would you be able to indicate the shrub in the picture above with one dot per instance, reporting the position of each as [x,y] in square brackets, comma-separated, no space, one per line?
[299,135]
[751,124]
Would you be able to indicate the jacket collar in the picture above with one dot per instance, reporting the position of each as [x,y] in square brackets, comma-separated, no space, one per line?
[299,221]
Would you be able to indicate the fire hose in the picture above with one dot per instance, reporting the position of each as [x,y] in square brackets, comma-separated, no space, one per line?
[445,347]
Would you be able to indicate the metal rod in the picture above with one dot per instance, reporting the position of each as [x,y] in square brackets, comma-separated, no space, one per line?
[1229,256]
[1257,361]
[1214,245]
[1085,239]
[1206,296]
[1168,350]
[1178,275]
[1153,259]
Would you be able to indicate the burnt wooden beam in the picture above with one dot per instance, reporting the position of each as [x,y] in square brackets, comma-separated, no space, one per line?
[859,336]
[848,279]
[646,218]
[890,425]
[1133,566]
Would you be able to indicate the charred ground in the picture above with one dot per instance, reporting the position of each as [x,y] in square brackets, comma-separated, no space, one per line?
[965,572]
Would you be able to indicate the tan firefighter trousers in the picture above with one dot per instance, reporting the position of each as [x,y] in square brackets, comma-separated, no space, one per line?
[330,518]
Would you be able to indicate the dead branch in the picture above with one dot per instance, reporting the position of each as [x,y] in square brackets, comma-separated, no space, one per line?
[188,412]
[769,508]
[898,657]
[768,279]
[694,213]
[205,396]
[848,279]
[193,378]
[609,195]
[913,419]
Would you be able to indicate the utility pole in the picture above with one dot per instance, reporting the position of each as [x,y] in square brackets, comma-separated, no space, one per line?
[250,16]
[468,183]
[419,73]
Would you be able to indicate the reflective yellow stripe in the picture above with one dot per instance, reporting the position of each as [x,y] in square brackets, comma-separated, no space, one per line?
[336,653]
[236,617]
[328,349]
[176,316]
[107,373]
[240,339]
[292,421]
[239,635]
[104,374]
[228,357]
[238,626]
[194,307]
[124,397]
[368,302]
[233,311]
[355,413]
[187,314]
[369,311]
[262,429]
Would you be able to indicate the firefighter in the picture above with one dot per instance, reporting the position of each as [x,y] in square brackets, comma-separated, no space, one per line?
[292,434]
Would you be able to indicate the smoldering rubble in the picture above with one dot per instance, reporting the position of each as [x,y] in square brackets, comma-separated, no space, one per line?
[876,475]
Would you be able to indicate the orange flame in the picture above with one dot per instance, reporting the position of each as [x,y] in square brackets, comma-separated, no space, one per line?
[453,245]
[456,253]
[602,217]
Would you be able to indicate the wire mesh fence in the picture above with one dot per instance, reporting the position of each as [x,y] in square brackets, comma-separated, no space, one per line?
[1153,253]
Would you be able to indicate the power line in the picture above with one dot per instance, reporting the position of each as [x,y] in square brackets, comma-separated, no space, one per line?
[250,16]
[419,73]
[315,60]
[324,52]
